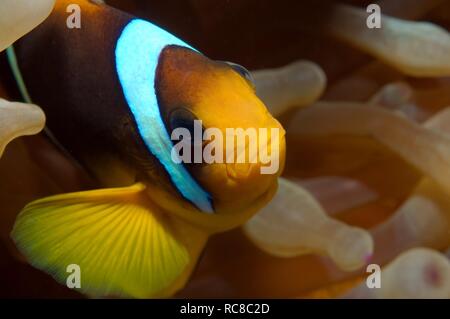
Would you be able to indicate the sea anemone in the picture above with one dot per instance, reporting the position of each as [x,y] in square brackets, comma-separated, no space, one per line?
[335,146]
[16,19]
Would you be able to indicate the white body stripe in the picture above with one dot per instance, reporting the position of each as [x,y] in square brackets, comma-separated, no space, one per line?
[137,54]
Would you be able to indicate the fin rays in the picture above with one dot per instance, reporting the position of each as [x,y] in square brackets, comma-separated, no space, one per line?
[123,247]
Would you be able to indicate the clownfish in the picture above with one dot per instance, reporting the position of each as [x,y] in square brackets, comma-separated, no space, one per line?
[113,91]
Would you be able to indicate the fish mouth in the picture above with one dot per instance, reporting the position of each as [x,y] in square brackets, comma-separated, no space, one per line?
[238,171]
[241,171]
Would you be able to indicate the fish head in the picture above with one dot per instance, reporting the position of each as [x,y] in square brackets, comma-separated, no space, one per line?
[236,149]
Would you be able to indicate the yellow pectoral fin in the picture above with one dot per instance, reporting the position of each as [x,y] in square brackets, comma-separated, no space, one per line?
[123,244]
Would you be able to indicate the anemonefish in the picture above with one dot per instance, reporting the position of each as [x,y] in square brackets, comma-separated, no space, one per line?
[113,91]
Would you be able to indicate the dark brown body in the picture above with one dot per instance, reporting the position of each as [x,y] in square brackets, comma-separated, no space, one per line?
[86,110]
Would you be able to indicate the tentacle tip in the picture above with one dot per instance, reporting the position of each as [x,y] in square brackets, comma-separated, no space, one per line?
[368,258]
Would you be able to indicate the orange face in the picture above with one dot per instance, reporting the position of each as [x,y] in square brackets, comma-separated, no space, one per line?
[242,176]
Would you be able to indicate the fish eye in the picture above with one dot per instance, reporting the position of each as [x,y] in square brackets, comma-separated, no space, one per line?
[242,72]
[183,118]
